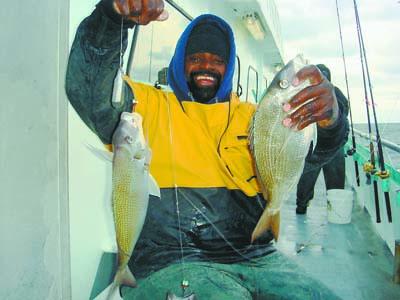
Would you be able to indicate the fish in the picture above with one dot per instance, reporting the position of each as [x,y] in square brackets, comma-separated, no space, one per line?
[278,152]
[130,190]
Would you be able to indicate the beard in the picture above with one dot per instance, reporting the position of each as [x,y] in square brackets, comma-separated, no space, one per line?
[203,94]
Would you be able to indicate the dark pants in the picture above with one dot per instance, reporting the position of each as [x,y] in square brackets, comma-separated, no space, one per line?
[334,175]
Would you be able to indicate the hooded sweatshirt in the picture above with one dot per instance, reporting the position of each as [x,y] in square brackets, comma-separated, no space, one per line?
[176,73]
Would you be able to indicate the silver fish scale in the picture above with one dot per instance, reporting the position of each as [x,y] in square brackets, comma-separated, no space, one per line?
[279,152]
[130,200]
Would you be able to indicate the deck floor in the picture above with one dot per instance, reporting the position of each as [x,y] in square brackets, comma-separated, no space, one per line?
[351,259]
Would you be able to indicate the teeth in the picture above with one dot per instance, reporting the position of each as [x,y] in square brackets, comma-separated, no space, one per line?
[203,77]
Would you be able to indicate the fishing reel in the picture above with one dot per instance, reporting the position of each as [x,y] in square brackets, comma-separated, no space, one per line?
[351,151]
[383,174]
[368,167]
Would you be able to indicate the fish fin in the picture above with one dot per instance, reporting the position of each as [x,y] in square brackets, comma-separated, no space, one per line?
[267,221]
[110,293]
[102,154]
[153,187]
[125,277]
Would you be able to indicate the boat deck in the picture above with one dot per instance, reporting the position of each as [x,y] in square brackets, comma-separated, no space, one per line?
[351,259]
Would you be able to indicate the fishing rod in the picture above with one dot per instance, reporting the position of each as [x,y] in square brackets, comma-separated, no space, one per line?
[369,168]
[383,174]
[353,138]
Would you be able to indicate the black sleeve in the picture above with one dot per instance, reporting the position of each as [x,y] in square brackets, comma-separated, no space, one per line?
[92,66]
[330,140]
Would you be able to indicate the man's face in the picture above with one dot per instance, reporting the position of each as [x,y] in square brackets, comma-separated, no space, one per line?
[204,73]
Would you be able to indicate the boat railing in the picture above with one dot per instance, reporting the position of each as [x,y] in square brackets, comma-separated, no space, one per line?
[386,143]
[371,186]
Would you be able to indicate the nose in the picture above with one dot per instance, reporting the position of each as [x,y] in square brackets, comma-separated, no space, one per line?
[208,65]
[205,64]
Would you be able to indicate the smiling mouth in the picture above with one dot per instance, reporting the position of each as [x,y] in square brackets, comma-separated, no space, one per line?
[205,80]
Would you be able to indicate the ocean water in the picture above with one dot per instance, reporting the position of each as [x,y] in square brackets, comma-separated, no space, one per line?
[387,131]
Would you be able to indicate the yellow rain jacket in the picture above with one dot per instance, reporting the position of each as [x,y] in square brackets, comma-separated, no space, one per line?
[192,143]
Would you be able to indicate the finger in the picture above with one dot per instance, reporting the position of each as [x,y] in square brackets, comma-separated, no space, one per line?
[315,107]
[152,11]
[310,72]
[155,11]
[147,13]
[122,7]
[135,8]
[308,93]
[313,119]
[163,16]
[161,13]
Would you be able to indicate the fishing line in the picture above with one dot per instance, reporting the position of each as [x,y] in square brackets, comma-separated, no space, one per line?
[121,53]
[353,138]
[174,178]
[237,251]
[191,203]
[151,50]
[383,173]
[308,242]
[371,145]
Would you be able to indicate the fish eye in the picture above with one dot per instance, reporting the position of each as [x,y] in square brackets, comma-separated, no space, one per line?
[129,139]
[284,83]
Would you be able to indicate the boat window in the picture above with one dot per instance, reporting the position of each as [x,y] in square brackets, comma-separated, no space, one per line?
[156,45]
[263,89]
[252,84]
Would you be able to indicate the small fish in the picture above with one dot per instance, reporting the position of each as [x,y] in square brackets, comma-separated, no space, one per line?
[130,189]
[279,152]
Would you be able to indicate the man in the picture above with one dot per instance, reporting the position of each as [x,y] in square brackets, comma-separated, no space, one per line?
[210,201]
[333,168]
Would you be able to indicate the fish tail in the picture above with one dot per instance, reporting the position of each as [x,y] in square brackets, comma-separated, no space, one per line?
[125,277]
[266,222]
[110,293]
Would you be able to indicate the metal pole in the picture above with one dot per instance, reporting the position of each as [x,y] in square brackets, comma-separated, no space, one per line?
[396,270]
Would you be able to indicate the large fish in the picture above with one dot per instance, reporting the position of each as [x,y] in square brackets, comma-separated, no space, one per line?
[279,152]
[131,186]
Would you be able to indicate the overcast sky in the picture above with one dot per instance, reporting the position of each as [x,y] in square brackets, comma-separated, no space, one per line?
[310,27]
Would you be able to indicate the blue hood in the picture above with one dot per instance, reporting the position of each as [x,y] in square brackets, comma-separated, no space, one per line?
[176,70]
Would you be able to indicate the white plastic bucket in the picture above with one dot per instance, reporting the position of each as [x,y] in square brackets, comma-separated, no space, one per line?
[340,206]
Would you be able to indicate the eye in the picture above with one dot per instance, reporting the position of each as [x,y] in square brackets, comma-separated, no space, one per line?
[284,83]
[218,62]
[129,139]
[194,59]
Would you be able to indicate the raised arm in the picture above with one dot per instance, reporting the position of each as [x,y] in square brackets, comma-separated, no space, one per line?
[94,60]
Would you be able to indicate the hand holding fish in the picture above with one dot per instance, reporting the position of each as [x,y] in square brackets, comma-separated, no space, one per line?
[315,103]
[141,11]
